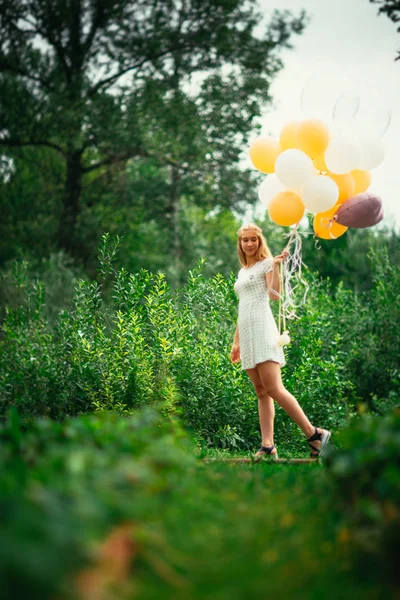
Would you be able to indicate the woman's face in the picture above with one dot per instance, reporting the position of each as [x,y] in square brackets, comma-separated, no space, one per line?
[250,243]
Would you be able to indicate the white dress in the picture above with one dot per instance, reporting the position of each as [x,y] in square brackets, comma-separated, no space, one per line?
[258,333]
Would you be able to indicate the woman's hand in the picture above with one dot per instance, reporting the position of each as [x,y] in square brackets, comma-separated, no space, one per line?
[280,258]
[235,353]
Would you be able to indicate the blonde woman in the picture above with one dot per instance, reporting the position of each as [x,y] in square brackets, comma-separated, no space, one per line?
[256,337]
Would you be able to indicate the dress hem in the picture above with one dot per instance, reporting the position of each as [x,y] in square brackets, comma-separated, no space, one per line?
[278,362]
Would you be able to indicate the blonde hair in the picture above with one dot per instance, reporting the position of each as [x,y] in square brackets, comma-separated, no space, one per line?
[262,252]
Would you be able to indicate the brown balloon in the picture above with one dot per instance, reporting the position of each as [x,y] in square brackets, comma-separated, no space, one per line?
[360,211]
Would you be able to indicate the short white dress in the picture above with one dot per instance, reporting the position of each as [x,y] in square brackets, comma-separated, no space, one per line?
[258,333]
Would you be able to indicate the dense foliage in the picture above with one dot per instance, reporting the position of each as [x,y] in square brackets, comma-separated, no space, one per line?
[390,8]
[175,88]
[111,506]
[366,477]
[129,340]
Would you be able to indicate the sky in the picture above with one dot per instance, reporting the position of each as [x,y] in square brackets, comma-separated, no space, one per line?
[345,46]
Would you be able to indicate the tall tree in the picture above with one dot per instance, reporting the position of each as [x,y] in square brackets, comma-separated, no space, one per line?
[391,8]
[75,77]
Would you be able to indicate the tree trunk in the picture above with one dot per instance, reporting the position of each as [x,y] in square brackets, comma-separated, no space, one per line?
[73,190]
[175,221]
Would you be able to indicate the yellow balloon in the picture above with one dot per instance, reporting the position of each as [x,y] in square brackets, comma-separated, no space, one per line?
[287,137]
[362,180]
[312,137]
[346,185]
[325,227]
[263,153]
[320,164]
[286,208]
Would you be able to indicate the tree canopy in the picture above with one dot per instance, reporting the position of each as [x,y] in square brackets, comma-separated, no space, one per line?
[390,8]
[99,82]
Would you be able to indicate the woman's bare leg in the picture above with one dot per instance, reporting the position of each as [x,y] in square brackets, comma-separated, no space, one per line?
[266,410]
[270,376]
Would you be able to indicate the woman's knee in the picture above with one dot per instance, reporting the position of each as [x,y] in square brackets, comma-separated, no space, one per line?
[260,391]
[274,390]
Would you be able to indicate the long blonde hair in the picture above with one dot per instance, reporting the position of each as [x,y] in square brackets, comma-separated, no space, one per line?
[262,252]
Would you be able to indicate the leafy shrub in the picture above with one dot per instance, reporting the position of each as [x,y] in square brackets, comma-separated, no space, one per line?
[129,341]
[373,340]
[365,472]
[64,486]
[115,506]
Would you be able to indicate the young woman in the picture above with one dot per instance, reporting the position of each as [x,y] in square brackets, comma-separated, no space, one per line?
[256,337]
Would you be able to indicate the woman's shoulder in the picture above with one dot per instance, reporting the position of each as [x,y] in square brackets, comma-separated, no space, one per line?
[266,264]
[266,261]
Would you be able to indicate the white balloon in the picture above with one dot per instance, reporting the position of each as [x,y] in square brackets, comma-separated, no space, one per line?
[320,194]
[342,155]
[294,168]
[268,189]
[372,153]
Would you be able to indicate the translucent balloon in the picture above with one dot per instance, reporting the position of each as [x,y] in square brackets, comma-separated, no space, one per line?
[293,168]
[321,92]
[346,107]
[342,155]
[372,153]
[268,189]
[362,111]
[320,194]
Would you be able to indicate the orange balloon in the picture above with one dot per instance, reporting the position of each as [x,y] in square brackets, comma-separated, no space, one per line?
[320,164]
[346,185]
[362,180]
[312,137]
[263,153]
[325,227]
[288,135]
[286,208]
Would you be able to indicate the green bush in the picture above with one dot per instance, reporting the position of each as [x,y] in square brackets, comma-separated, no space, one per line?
[64,486]
[129,341]
[365,473]
[373,339]
[173,527]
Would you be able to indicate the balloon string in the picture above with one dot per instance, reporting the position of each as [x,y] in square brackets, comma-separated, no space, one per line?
[281,313]
[291,267]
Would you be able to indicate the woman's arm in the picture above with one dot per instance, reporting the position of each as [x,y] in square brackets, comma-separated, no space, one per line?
[235,351]
[273,279]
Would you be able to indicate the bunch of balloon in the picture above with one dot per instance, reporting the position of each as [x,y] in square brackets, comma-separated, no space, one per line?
[312,170]
[293,186]
[323,164]
[296,182]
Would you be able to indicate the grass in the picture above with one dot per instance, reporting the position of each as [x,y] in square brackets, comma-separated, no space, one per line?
[254,531]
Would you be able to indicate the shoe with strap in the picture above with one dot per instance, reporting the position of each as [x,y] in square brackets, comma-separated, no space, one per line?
[265,451]
[323,436]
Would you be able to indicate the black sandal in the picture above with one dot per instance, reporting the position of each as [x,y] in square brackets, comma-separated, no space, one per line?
[266,451]
[323,437]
